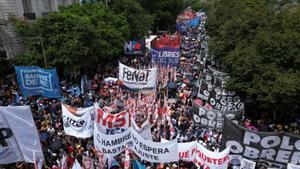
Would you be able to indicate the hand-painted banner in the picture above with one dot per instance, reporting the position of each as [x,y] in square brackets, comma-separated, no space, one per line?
[137,78]
[185,151]
[271,148]
[224,100]
[208,159]
[212,118]
[77,122]
[134,47]
[18,135]
[37,81]
[153,151]
[111,145]
[166,56]
[111,123]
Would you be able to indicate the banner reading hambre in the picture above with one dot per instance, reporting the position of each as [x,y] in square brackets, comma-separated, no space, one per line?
[152,151]
[77,122]
[111,145]
[137,78]
[37,81]
[19,137]
[270,148]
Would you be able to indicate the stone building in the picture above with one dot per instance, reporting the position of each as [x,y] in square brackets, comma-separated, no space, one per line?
[10,43]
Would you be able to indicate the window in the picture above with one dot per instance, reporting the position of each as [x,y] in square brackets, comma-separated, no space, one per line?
[27,6]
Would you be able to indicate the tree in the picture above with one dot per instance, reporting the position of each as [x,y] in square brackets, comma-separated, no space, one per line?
[76,38]
[140,22]
[259,45]
[164,12]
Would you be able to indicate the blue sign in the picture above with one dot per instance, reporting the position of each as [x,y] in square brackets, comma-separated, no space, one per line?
[37,81]
[166,56]
[194,22]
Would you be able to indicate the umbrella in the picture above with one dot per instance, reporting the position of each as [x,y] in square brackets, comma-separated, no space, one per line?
[172,85]
[198,102]
[172,101]
[110,79]
[187,81]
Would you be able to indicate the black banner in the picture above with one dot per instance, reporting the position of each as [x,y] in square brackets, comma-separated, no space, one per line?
[270,149]
[204,89]
[212,118]
[224,100]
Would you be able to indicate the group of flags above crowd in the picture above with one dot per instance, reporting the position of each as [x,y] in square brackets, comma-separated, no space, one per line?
[222,111]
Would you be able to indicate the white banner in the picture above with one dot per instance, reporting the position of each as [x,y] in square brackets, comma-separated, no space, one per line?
[293,166]
[18,135]
[111,145]
[247,164]
[153,151]
[185,150]
[111,123]
[77,122]
[137,78]
[144,130]
[214,160]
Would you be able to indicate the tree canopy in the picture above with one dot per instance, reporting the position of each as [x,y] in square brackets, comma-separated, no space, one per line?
[258,43]
[76,37]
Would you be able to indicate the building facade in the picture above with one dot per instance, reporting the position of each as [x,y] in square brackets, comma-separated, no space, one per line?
[10,44]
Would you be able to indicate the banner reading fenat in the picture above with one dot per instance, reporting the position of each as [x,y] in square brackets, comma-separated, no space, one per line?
[270,148]
[37,81]
[153,151]
[137,78]
[77,122]
[111,123]
[19,137]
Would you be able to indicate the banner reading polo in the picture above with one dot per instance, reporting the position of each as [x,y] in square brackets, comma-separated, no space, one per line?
[137,78]
[271,149]
[37,81]
[77,122]
[153,151]
[111,123]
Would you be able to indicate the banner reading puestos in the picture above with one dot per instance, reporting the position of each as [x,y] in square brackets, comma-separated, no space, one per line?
[37,81]
[152,151]
[137,78]
[270,148]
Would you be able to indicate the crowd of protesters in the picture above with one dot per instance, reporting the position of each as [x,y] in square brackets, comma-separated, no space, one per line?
[168,109]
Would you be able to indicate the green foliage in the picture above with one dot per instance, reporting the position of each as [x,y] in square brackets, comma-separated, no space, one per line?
[75,38]
[139,21]
[164,11]
[259,46]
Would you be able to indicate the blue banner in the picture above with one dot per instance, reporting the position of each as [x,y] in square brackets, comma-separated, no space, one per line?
[166,56]
[37,81]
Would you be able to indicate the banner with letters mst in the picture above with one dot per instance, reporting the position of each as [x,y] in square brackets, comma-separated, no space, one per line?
[37,81]
[78,122]
[18,135]
[270,149]
[212,118]
[137,78]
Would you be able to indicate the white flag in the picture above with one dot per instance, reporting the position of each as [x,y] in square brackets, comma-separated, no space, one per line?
[76,165]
